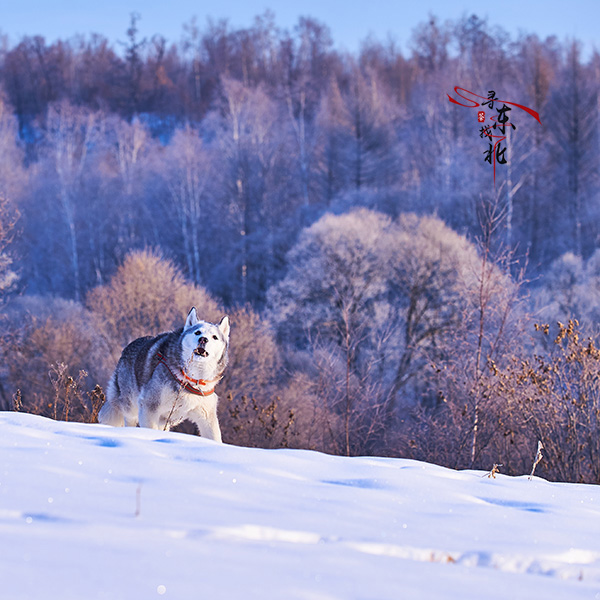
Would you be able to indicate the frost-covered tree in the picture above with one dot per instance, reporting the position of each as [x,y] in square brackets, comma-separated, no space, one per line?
[131,163]
[70,134]
[328,302]
[571,290]
[333,126]
[336,271]
[574,143]
[188,174]
[363,271]
[371,155]
[257,190]
[380,299]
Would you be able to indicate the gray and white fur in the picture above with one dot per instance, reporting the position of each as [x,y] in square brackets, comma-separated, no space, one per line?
[163,380]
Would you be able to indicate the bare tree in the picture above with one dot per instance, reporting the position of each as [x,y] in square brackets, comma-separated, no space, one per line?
[254,174]
[130,158]
[147,295]
[70,135]
[302,87]
[574,131]
[534,71]
[467,412]
[332,121]
[188,174]
[383,300]
[373,119]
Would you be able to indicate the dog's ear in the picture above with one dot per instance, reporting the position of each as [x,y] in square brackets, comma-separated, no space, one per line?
[224,327]
[192,318]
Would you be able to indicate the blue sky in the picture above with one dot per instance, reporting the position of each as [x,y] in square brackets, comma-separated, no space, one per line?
[350,21]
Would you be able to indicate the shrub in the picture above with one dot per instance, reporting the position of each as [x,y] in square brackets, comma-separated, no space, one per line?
[146,296]
[51,340]
[252,411]
[554,397]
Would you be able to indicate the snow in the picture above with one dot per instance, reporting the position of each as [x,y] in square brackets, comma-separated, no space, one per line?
[89,511]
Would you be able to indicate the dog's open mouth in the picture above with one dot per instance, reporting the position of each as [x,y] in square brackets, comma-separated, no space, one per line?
[200,351]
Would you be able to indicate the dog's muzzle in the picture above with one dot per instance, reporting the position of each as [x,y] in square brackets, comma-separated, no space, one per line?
[201,350]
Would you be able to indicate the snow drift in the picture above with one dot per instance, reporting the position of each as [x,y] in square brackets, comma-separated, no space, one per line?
[88,511]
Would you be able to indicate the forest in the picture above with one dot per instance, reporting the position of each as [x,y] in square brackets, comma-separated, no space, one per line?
[391,291]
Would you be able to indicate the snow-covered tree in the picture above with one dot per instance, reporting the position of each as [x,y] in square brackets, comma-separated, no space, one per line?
[70,134]
[382,299]
[188,174]
[571,290]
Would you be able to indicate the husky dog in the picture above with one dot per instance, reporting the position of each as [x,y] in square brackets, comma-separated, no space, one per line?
[160,381]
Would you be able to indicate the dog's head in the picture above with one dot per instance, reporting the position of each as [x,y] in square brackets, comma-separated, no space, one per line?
[205,343]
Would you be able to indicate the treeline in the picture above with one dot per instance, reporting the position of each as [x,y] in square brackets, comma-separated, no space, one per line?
[259,131]
[339,207]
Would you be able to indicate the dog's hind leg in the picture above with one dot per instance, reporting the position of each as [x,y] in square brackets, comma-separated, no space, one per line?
[151,417]
[131,421]
[111,413]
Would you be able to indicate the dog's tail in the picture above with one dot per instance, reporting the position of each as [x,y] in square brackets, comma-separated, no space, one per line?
[110,413]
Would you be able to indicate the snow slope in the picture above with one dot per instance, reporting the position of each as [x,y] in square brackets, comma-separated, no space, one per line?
[88,511]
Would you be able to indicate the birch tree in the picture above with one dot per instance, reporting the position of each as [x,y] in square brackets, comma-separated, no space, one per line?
[188,173]
[70,135]
[255,174]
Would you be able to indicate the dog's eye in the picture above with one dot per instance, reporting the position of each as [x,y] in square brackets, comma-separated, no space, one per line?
[215,337]
[197,332]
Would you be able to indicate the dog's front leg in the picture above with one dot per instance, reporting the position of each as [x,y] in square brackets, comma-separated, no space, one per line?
[207,422]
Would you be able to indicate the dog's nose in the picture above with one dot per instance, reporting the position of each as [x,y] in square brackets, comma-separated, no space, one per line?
[203,340]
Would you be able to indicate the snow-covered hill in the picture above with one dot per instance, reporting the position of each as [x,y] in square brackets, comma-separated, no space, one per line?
[88,512]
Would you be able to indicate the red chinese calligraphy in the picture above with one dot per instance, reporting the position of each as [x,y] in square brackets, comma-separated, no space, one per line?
[495,152]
